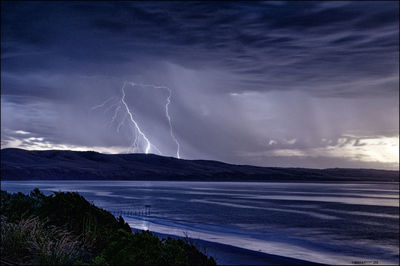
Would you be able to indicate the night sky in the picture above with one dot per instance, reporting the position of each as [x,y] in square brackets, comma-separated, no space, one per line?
[297,84]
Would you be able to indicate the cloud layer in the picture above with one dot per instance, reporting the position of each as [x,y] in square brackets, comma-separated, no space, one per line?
[299,75]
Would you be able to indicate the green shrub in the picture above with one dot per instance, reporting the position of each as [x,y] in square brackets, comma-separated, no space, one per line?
[64,228]
[99,260]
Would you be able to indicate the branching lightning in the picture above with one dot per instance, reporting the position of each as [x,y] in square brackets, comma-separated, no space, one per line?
[138,136]
[170,124]
[102,104]
[121,123]
[148,143]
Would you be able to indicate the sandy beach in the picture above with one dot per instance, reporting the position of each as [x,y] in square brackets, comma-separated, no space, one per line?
[230,255]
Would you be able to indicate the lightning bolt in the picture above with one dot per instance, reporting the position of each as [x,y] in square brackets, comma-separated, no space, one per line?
[148,143]
[121,122]
[168,101]
[101,105]
[137,132]
[111,106]
[116,111]
[170,124]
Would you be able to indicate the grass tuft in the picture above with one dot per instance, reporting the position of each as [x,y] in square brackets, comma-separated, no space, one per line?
[30,240]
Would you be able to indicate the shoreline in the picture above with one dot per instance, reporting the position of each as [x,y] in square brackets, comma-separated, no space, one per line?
[225,254]
[208,181]
[240,244]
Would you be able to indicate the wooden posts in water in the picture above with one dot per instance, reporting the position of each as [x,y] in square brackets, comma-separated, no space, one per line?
[140,212]
[147,206]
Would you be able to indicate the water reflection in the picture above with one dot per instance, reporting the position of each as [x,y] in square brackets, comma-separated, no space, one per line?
[327,222]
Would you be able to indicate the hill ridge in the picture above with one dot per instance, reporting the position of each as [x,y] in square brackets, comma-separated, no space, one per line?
[20,164]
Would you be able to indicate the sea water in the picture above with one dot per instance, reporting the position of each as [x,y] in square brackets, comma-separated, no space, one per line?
[327,222]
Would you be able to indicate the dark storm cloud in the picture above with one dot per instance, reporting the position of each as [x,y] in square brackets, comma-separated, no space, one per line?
[261,40]
[60,58]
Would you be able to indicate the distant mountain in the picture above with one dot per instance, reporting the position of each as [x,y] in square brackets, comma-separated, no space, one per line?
[18,164]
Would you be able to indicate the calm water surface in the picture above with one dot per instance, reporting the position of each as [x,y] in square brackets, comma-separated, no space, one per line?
[335,223]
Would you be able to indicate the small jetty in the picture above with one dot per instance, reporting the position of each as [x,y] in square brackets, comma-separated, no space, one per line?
[145,211]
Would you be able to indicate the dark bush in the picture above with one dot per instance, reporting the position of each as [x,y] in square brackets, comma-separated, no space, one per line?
[103,238]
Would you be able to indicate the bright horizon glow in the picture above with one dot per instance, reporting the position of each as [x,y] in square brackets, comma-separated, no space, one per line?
[372,149]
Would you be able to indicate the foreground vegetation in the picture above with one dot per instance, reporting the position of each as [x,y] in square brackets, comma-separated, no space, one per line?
[64,228]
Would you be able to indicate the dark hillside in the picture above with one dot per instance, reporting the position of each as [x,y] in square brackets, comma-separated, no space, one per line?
[18,164]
